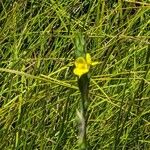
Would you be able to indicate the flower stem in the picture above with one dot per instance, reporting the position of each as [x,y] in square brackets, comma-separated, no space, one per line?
[83,83]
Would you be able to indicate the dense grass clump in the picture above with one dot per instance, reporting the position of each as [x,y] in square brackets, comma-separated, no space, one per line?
[39,94]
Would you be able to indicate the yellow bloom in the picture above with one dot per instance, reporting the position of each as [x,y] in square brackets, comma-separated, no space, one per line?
[82,65]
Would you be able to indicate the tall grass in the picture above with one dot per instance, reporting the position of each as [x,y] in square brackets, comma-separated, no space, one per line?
[39,94]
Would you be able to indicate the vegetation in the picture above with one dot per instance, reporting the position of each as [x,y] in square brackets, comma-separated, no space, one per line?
[39,93]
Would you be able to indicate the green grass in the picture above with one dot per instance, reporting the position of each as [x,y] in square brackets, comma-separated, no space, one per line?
[39,95]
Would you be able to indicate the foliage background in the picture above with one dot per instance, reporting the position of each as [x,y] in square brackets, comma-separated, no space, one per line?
[39,95]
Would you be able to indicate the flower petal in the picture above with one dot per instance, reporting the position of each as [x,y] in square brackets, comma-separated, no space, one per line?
[80,61]
[94,63]
[88,58]
[79,72]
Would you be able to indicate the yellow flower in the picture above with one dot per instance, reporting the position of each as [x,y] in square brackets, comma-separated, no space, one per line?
[82,65]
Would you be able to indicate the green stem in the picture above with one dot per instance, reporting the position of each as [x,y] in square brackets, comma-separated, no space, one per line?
[83,84]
